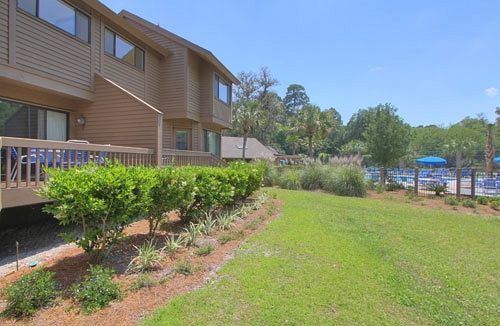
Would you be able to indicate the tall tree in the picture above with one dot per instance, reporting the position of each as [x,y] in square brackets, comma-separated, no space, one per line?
[248,87]
[310,125]
[490,152]
[387,137]
[295,99]
[244,120]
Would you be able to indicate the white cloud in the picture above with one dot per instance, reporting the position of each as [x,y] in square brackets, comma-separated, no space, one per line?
[376,69]
[491,92]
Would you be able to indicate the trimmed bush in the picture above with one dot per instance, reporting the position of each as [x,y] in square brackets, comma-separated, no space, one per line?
[96,290]
[103,200]
[30,293]
[312,177]
[290,179]
[345,181]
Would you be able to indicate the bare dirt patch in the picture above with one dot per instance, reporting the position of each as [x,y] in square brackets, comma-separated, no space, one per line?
[436,203]
[71,264]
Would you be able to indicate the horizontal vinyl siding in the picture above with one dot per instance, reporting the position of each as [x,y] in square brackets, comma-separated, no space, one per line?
[117,119]
[43,49]
[168,130]
[153,80]
[4,31]
[174,70]
[128,77]
[207,92]
[169,127]
[194,86]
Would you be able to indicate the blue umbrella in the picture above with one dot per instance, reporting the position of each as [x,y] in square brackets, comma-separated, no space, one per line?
[497,159]
[431,160]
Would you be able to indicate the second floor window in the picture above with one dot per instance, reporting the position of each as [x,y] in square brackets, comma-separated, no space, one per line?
[59,14]
[117,46]
[222,90]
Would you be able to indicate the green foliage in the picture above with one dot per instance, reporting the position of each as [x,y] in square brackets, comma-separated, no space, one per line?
[30,293]
[207,226]
[225,238]
[470,203]
[438,189]
[97,289]
[144,280]
[451,200]
[192,231]
[387,136]
[224,221]
[184,268]
[370,184]
[290,179]
[147,258]
[380,188]
[312,177]
[393,186]
[103,200]
[269,171]
[495,204]
[345,181]
[171,189]
[483,200]
[205,250]
[174,243]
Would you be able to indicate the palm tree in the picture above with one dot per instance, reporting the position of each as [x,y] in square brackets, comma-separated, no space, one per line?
[245,117]
[310,124]
[490,152]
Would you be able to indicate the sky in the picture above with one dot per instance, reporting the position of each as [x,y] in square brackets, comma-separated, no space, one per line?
[436,61]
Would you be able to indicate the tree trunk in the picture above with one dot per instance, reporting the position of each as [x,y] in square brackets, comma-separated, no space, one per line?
[245,136]
[458,160]
[490,153]
[311,154]
[382,176]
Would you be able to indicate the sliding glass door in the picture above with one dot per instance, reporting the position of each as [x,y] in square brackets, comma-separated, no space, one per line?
[28,121]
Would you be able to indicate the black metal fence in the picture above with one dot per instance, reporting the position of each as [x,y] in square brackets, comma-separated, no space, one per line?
[460,182]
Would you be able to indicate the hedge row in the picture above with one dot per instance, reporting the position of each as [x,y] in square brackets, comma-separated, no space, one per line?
[103,200]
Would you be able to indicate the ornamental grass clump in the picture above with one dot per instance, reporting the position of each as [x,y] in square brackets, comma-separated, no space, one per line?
[148,258]
[312,177]
[345,181]
[290,179]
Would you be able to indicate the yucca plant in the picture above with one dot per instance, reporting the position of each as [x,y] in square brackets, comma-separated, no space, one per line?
[148,258]
[224,221]
[192,231]
[208,224]
[174,243]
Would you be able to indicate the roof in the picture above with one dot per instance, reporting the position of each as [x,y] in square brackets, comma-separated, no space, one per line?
[232,148]
[113,17]
[202,52]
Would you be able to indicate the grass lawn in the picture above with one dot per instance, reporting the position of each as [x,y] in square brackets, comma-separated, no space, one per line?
[338,260]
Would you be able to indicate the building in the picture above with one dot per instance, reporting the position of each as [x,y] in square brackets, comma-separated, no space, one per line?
[232,149]
[79,82]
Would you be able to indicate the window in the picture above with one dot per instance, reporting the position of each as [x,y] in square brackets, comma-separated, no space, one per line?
[211,142]
[59,14]
[222,90]
[28,121]
[117,46]
[182,140]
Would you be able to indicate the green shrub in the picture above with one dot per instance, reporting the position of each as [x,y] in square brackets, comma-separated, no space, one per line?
[225,238]
[380,188]
[312,176]
[345,181]
[494,203]
[452,201]
[370,184]
[30,293]
[147,258]
[184,268]
[96,290]
[143,281]
[470,203]
[483,200]
[438,189]
[103,200]
[171,189]
[290,179]
[212,190]
[205,250]
[270,173]
[393,186]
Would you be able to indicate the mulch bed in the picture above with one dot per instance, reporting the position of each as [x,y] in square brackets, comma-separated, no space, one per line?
[72,264]
[434,203]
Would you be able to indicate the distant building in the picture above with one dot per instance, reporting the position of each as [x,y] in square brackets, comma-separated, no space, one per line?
[232,149]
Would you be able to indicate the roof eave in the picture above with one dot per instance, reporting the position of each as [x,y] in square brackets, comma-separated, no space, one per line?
[113,17]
